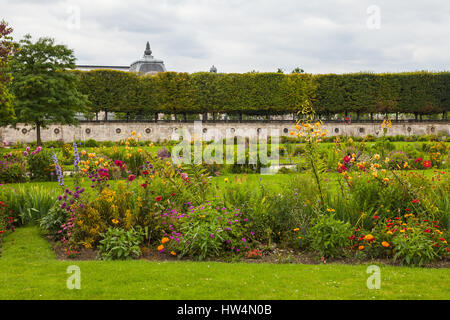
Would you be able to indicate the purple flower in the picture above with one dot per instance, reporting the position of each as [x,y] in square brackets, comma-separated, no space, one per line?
[244,240]
[211,235]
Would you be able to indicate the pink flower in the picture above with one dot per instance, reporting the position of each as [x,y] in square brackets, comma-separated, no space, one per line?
[131,177]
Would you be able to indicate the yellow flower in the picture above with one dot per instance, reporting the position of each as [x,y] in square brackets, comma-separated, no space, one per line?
[226,179]
[377,156]
[115,221]
[403,230]
[389,232]
[296,229]
[133,133]
[331,210]
[368,237]
[83,152]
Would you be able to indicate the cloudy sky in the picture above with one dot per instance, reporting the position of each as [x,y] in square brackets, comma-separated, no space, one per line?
[321,36]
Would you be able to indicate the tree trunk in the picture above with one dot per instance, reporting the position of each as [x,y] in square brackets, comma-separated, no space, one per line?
[38,134]
[214,117]
[396,116]
[106,116]
[371,116]
[156,116]
[357,116]
[184,117]
[240,116]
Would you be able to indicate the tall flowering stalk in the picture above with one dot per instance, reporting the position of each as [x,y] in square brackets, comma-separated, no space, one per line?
[58,170]
[76,165]
[312,131]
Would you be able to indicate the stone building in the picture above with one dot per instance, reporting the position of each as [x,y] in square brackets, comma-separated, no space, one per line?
[146,65]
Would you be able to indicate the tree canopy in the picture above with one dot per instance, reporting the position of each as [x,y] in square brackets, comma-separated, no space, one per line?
[46,93]
[6,98]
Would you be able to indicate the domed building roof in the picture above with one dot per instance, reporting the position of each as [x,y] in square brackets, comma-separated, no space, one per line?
[148,64]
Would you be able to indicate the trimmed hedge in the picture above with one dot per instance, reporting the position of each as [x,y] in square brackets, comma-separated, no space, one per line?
[265,93]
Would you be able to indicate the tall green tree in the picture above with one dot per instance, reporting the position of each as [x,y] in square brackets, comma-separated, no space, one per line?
[46,92]
[6,98]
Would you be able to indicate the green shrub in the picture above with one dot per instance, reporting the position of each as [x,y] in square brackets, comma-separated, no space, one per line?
[415,249]
[52,221]
[12,169]
[118,244]
[40,165]
[328,236]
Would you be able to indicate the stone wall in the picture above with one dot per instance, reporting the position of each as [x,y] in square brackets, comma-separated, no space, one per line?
[114,131]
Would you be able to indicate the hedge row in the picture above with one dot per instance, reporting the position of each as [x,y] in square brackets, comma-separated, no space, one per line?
[265,93]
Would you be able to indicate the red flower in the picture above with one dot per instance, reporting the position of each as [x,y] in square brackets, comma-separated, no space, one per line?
[173,194]
[159,198]
[145,172]
[352,237]
[131,177]
[415,201]
[448,250]
[144,185]
[346,159]
[376,217]
[427,164]
[427,230]
[418,159]
[341,168]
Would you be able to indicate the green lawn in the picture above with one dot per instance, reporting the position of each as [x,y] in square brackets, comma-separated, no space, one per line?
[29,270]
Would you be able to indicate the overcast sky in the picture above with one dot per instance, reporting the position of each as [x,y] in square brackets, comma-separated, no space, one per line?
[320,36]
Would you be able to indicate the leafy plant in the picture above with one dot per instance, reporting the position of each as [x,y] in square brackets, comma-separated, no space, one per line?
[118,244]
[329,236]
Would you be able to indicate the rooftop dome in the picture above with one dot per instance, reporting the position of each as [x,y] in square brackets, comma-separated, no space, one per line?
[148,64]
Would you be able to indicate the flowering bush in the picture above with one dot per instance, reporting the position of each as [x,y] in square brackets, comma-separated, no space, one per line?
[205,231]
[12,168]
[41,165]
[411,239]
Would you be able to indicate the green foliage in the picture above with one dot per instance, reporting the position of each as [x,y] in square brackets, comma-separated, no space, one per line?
[28,205]
[256,93]
[6,98]
[45,92]
[51,222]
[12,168]
[329,236]
[415,249]
[118,244]
[40,165]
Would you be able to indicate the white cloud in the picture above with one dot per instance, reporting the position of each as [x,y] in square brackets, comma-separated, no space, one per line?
[239,36]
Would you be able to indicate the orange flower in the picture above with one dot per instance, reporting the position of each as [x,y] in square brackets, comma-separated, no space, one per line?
[164,240]
[173,253]
[385,244]
[160,247]
[361,248]
[369,237]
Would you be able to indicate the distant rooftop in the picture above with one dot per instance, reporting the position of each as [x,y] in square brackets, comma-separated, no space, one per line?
[146,65]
